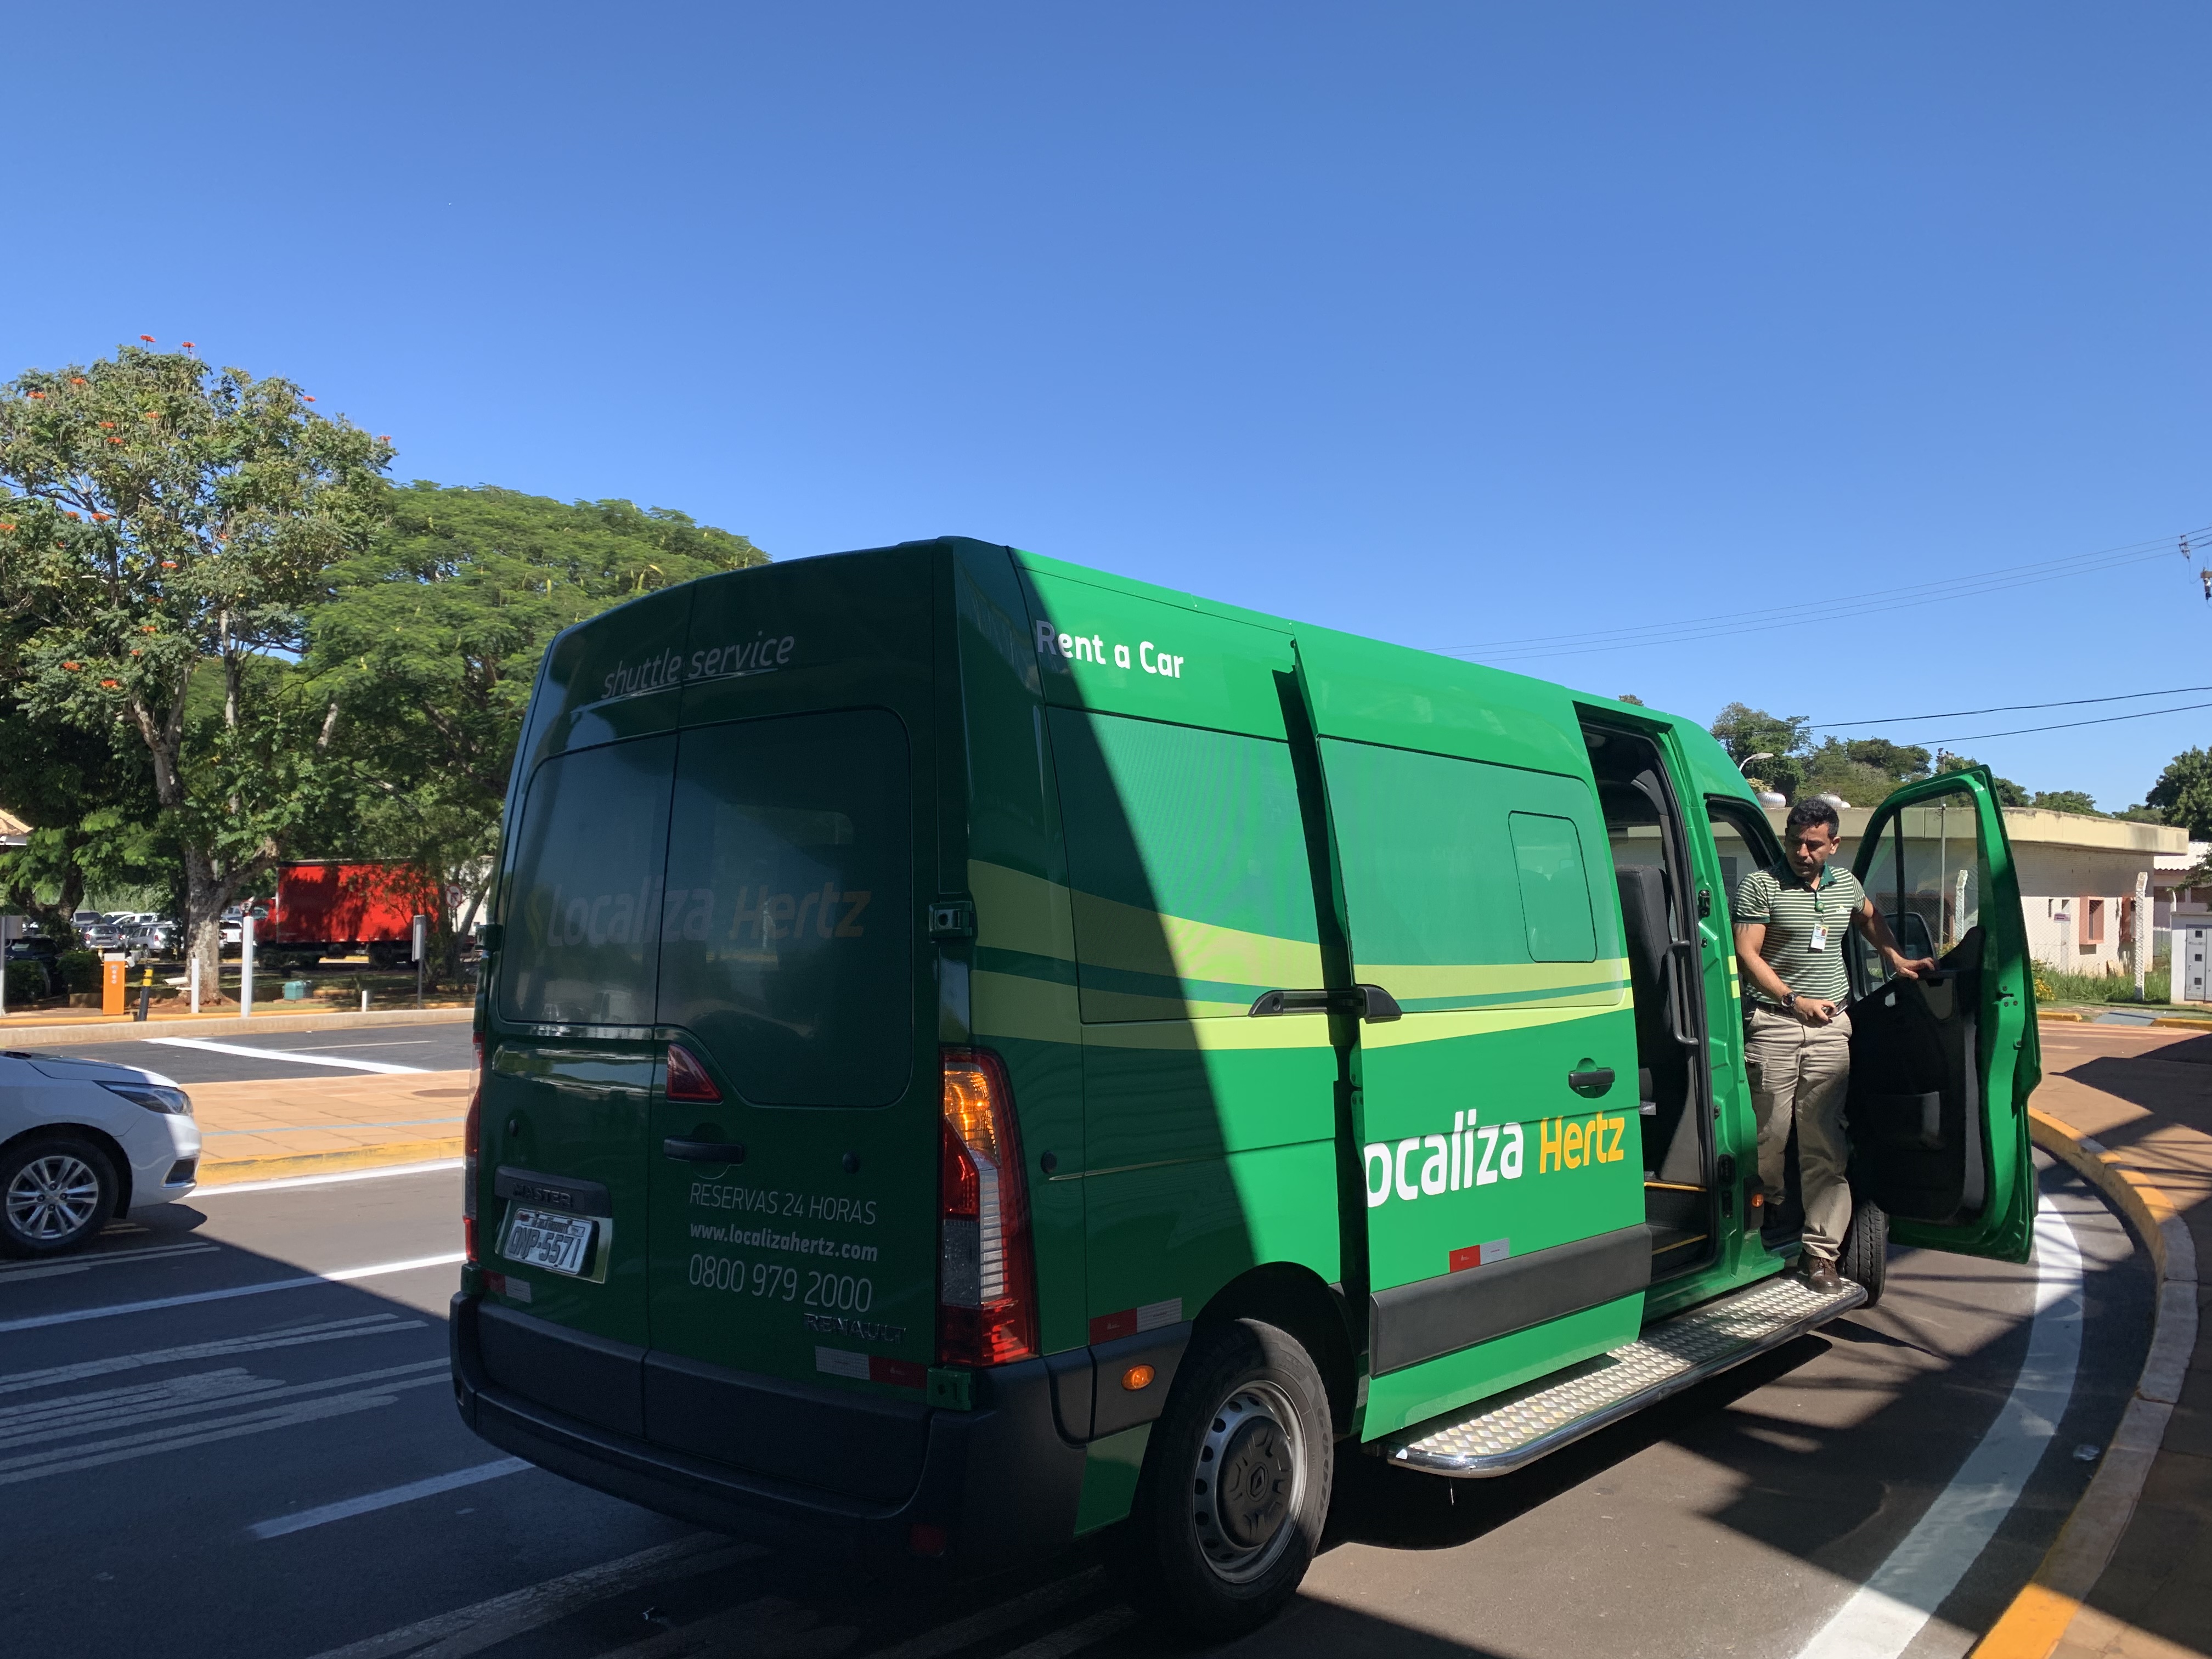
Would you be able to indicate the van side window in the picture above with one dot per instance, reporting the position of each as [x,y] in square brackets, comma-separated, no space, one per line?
[1188,859]
[787,928]
[583,895]
[1555,905]
[1447,890]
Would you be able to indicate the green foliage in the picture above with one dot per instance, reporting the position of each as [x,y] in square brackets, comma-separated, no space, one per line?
[1897,763]
[27,982]
[2183,792]
[430,638]
[2064,800]
[1745,731]
[77,970]
[2008,793]
[2140,814]
[162,526]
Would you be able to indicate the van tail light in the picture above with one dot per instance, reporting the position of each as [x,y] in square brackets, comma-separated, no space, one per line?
[471,1132]
[688,1079]
[987,1282]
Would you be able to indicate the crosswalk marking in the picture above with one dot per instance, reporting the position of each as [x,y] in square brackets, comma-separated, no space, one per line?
[282,1336]
[337,1276]
[284,1407]
[12,1271]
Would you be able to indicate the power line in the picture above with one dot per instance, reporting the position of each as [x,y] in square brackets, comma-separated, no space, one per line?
[2064,726]
[2007,708]
[1687,630]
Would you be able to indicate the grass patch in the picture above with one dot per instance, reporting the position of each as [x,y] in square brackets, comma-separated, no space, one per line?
[2053,985]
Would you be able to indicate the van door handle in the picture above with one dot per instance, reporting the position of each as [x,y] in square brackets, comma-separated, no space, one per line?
[1368,1002]
[705,1151]
[1592,1083]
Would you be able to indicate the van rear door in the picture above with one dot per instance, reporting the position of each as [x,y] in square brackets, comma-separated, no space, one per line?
[793,1136]
[1941,1070]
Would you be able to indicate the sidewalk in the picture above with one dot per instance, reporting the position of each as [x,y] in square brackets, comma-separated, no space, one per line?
[2147,1096]
[279,1126]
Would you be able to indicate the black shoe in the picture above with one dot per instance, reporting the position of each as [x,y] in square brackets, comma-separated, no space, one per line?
[1820,1277]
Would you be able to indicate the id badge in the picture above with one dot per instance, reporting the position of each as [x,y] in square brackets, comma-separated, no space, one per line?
[1819,940]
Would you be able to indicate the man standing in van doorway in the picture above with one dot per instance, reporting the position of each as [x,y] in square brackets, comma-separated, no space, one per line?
[1790,919]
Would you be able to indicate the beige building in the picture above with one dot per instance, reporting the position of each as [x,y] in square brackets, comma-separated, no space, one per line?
[2077,880]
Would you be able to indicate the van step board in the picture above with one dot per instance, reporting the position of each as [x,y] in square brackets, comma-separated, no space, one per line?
[1508,1432]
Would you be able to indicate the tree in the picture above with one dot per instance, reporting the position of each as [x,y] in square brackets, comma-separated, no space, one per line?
[2008,793]
[1897,763]
[162,526]
[2183,794]
[2065,801]
[1745,731]
[430,638]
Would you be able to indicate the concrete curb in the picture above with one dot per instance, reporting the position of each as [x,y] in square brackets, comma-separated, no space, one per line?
[2035,1622]
[207,1025]
[225,1171]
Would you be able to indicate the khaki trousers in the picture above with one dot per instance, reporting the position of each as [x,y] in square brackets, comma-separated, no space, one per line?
[1800,1074]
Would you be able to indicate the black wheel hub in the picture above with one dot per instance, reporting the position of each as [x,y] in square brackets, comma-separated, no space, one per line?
[1255,1484]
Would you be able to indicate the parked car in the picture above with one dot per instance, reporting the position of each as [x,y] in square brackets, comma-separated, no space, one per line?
[152,937]
[43,952]
[101,936]
[82,1142]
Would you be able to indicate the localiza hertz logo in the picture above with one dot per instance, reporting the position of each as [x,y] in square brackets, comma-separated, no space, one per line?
[1477,1155]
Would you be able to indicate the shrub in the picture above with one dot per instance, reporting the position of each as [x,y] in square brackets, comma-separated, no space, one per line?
[78,970]
[27,982]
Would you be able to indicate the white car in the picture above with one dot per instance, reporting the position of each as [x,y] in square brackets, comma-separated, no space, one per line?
[82,1141]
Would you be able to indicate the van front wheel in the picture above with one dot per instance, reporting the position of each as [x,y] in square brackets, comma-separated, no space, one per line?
[1865,1257]
[1235,1484]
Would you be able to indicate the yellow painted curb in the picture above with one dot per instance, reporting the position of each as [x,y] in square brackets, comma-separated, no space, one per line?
[2184,1022]
[2035,1622]
[224,1172]
[2059,1013]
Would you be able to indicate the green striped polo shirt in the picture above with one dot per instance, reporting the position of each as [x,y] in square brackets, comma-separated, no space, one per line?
[1780,897]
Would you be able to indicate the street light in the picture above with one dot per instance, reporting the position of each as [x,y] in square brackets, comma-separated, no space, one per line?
[1762,755]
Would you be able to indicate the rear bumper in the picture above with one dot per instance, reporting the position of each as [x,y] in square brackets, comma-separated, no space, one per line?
[998,1485]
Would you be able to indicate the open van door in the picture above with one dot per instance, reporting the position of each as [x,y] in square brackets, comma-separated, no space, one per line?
[1941,1070]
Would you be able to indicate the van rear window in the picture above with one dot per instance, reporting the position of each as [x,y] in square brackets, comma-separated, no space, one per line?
[585,888]
[789,940]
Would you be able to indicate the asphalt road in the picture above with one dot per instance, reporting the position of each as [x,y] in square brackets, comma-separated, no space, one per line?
[282,1473]
[246,1056]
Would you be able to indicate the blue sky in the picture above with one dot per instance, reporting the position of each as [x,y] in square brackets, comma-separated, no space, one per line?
[1450,323]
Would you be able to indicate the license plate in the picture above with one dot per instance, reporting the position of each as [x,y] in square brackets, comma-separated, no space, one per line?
[560,1244]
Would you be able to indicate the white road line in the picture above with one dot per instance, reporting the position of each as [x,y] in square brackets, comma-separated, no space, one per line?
[345,1509]
[1886,1613]
[223,1189]
[1074,1637]
[947,1639]
[125,1447]
[338,1276]
[292,1055]
[472,1629]
[329,1330]
[15,1270]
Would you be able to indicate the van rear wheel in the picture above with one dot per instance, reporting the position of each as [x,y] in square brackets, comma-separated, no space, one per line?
[1865,1256]
[1235,1488]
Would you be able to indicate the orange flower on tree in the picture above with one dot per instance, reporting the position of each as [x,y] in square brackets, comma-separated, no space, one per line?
[188,345]
[79,379]
[115,441]
[148,338]
[305,399]
[168,564]
[111,685]
[72,666]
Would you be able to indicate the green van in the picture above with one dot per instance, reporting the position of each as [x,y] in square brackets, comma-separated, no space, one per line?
[976,1051]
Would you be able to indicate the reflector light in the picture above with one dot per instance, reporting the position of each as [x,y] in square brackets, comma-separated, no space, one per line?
[688,1079]
[986,1297]
[471,1132]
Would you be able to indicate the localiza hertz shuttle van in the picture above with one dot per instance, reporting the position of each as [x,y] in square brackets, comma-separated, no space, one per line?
[978,1051]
